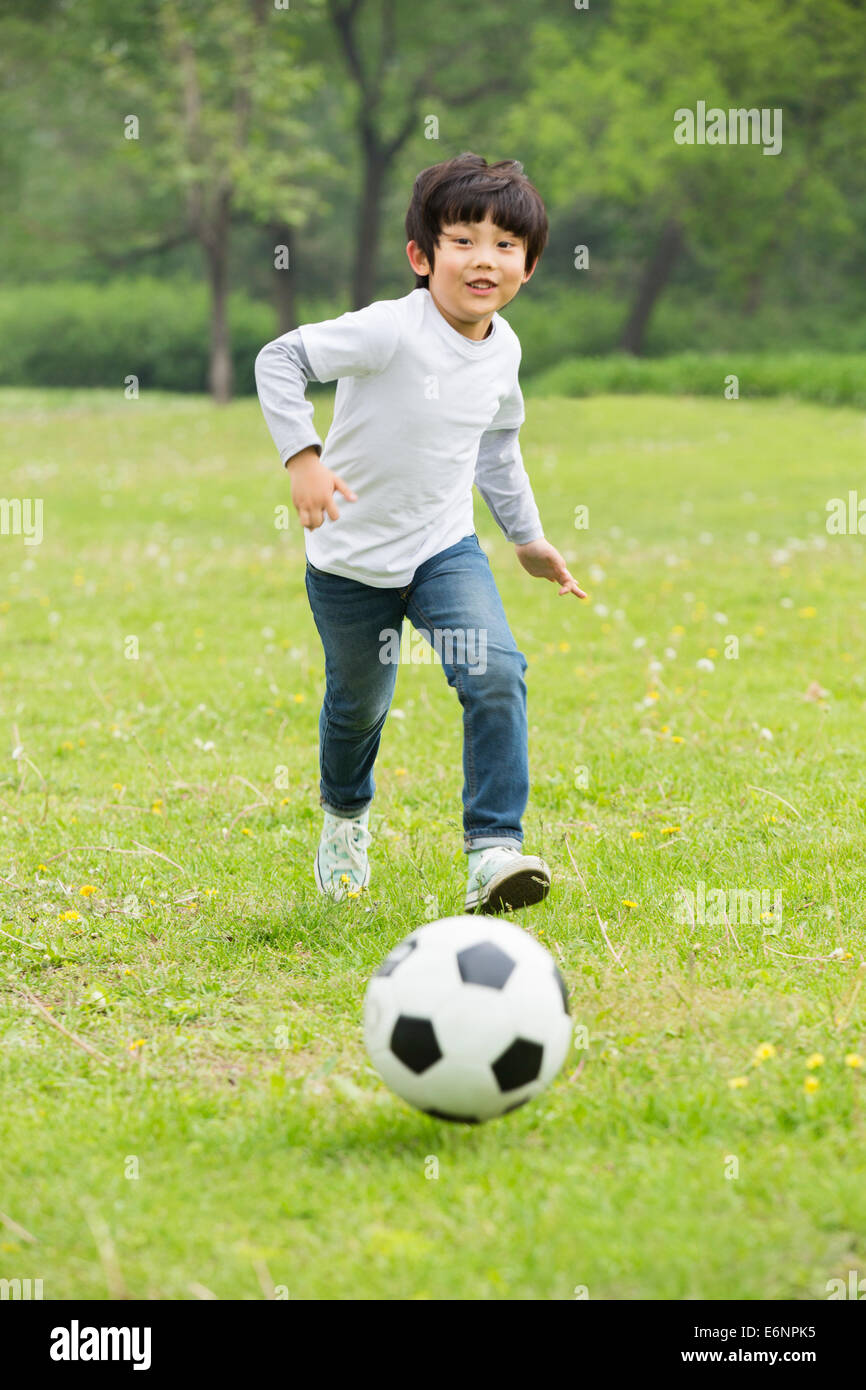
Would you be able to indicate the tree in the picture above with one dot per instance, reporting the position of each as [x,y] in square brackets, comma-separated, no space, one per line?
[401,66]
[219,89]
[600,116]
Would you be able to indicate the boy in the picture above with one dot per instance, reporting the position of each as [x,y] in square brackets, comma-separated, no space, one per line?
[427,402]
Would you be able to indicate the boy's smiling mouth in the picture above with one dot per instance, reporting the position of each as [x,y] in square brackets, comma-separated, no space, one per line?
[481,286]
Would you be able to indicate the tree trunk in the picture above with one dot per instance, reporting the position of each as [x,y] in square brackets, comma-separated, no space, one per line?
[369,223]
[220,378]
[753,294]
[284,280]
[652,283]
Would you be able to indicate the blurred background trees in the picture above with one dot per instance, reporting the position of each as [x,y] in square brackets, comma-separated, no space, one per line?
[273,152]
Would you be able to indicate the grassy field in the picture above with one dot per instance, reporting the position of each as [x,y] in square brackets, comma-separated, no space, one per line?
[212,1127]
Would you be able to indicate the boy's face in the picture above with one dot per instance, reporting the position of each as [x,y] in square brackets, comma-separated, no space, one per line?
[468,253]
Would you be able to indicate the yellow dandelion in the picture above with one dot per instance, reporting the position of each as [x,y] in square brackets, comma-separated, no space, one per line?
[766,916]
[67,743]
[400,772]
[711,651]
[816,1059]
[284,801]
[44,867]
[652,694]
[134,1046]
[344,878]
[87,890]
[677,738]
[245,830]
[759,630]
[677,631]
[70,916]
[627,903]
[129,972]
[299,699]
[853,1059]
[808,611]
[637,834]
[670,829]
[763,1053]
[811,1084]
[665,729]
[737,1083]
[117,786]
[565,646]
[156,807]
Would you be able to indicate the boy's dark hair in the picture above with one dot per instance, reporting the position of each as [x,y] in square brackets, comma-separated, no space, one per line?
[465,189]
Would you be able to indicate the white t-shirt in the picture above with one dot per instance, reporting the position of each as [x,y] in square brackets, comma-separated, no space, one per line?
[413,399]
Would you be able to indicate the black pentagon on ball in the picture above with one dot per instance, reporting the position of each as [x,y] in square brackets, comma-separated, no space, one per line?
[562,989]
[485,964]
[413,1042]
[455,1119]
[519,1064]
[396,957]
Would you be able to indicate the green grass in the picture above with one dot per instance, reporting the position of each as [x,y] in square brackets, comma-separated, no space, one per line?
[224,997]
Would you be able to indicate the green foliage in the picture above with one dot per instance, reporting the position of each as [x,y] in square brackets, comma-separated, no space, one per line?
[68,334]
[828,378]
[598,121]
[556,327]
[96,335]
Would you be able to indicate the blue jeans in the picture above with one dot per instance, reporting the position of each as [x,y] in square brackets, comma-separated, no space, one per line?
[452,600]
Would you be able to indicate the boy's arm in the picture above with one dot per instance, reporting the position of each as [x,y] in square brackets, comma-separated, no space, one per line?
[504,484]
[354,344]
[282,371]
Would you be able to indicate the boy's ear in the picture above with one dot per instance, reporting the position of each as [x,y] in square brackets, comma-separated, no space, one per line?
[417,259]
[530,270]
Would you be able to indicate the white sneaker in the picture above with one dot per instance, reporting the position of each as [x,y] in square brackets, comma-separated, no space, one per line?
[341,866]
[502,878]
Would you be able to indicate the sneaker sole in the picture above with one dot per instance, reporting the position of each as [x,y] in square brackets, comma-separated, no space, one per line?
[329,892]
[510,889]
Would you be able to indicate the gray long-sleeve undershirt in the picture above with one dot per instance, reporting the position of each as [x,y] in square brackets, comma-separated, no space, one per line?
[283,370]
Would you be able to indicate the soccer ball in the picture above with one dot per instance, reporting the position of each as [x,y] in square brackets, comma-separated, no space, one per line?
[467,1018]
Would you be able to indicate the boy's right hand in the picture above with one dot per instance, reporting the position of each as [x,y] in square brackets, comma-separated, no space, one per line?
[313,488]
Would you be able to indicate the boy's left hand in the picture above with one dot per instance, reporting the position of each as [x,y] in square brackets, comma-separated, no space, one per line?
[543,560]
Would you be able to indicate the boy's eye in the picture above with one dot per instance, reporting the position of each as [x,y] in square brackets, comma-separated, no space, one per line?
[501,243]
